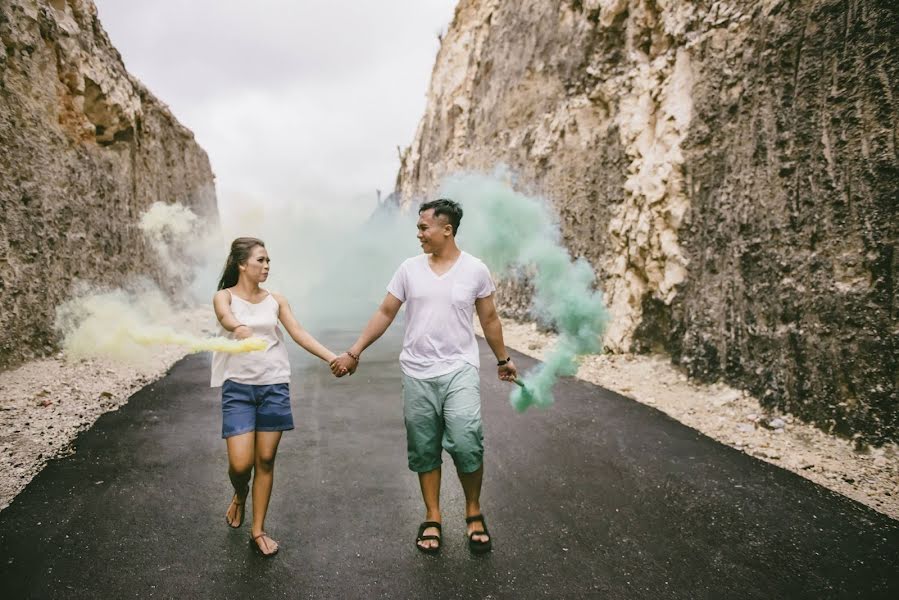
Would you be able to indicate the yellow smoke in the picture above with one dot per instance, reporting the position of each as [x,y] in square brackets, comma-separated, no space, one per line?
[124,325]
[197,344]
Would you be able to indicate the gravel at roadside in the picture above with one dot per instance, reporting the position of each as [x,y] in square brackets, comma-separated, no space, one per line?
[46,403]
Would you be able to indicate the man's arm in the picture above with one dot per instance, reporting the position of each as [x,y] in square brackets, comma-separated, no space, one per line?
[374,329]
[493,333]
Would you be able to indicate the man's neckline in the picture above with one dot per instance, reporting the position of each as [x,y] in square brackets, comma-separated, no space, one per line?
[448,271]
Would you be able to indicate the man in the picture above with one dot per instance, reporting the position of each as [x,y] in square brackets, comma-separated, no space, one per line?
[439,361]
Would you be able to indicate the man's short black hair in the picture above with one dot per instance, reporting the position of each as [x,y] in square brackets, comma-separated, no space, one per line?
[446,207]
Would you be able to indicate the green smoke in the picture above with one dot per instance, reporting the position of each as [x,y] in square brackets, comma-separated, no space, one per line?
[516,234]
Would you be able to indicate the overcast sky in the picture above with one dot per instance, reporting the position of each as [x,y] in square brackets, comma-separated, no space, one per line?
[296,101]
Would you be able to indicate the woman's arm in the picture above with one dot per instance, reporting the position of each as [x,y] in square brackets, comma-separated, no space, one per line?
[300,335]
[221,302]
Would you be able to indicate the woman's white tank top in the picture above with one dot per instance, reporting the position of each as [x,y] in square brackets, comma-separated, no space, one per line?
[263,367]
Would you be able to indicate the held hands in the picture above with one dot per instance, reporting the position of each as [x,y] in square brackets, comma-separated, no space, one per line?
[508,371]
[344,365]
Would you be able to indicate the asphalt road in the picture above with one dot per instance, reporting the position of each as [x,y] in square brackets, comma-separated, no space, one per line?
[597,497]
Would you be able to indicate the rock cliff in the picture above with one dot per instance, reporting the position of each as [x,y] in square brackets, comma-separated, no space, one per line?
[85,150]
[729,167]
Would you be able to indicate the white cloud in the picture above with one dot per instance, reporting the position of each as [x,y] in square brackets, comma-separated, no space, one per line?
[296,102]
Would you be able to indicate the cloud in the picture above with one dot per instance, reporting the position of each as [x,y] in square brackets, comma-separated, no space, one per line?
[295,102]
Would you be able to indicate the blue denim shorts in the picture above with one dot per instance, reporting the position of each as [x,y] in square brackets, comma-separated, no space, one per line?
[255,408]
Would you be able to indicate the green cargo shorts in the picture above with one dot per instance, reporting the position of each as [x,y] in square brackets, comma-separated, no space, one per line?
[444,412]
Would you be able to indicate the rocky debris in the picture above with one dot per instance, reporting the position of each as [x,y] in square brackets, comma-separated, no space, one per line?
[868,475]
[775,423]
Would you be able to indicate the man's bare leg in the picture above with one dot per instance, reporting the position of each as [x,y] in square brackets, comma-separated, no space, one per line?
[430,493]
[471,485]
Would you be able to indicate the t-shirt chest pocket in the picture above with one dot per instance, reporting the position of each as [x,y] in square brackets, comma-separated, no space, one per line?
[463,295]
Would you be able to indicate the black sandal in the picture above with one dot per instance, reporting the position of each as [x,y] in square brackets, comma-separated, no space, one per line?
[477,546]
[421,537]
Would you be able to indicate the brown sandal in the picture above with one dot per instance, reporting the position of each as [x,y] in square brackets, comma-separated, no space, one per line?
[255,544]
[241,508]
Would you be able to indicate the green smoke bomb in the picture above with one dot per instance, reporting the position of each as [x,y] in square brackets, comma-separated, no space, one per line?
[522,398]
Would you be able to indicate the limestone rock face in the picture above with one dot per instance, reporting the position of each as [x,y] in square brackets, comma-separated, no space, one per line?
[85,150]
[729,167]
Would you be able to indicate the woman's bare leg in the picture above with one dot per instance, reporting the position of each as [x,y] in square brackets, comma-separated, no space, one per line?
[265,451]
[241,452]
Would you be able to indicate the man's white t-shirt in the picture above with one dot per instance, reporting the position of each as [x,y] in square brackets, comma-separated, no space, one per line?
[439,314]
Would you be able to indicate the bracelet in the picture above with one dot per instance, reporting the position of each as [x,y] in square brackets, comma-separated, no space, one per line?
[239,325]
[503,362]
[353,356]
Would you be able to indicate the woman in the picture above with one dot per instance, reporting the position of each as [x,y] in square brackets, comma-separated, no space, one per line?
[255,393]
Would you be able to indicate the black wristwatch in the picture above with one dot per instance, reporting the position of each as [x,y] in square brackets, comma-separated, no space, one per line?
[503,362]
